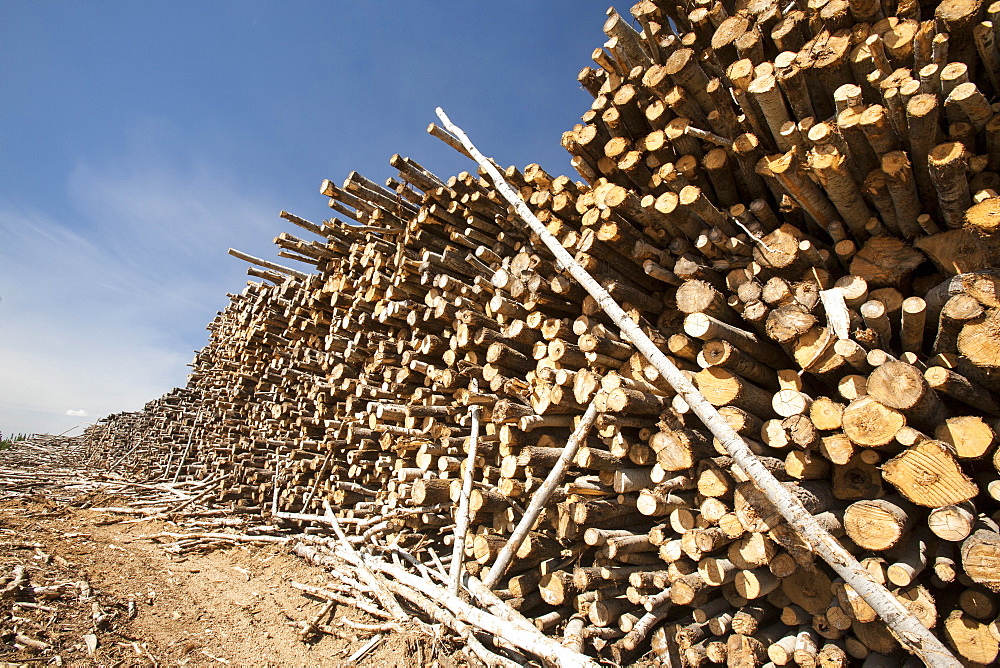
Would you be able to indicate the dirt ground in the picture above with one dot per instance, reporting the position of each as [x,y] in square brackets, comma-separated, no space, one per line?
[145,606]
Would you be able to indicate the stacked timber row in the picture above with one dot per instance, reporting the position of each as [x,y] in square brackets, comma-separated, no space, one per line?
[799,204]
[157,442]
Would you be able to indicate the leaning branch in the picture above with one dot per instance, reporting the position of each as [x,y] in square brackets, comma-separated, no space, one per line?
[913,635]
[541,497]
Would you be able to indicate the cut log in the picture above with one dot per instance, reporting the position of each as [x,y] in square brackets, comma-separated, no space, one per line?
[971,639]
[885,262]
[902,386]
[979,340]
[928,474]
[969,435]
[960,251]
[981,557]
[952,523]
[947,165]
[879,524]
[870,423]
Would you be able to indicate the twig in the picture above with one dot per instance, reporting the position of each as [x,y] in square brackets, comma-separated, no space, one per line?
[438,564]
[388,626]
[30,642]
[368,646]
[359,603]
[193,499]
[34,606]
[12,587]
[310,627]
[705,135]
[234,537]
[756,239]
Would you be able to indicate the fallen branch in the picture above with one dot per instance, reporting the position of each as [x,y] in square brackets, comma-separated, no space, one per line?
[531,641]
[367,647]
[352,556]
[310,627]
[31,642]
[11,588]
[232,537]
[357,602]
[378,628]
[442,616]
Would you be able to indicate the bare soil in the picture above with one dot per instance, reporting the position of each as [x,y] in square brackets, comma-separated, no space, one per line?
[148,607]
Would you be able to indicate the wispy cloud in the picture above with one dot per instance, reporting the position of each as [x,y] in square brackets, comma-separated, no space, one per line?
[106,318]
[74,330]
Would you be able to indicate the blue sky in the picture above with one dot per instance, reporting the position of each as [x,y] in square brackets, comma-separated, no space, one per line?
[139,140]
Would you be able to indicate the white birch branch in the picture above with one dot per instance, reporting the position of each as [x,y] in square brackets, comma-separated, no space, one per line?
[541,497]
[462,518]
[532,641]
[913,635]
[385,597]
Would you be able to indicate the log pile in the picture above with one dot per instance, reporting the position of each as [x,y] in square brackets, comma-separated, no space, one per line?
[799,205]
[156,442]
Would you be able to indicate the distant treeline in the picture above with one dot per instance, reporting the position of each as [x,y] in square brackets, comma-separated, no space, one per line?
[9,441]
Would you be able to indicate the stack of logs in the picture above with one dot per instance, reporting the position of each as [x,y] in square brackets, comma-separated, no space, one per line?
[799,204]
[157,442]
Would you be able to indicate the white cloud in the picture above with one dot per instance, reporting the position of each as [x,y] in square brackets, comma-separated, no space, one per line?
[103,306]
[79,332]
